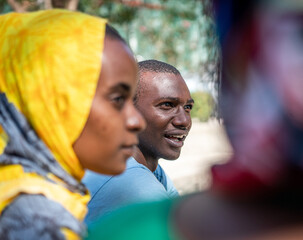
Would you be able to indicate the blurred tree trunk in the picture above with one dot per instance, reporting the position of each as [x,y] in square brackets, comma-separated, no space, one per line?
[19,6]
[72,5]
[48,4]
[24,6]
[140,4]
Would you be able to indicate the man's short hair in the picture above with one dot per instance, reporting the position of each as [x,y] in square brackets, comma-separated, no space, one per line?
[156,66]
[152,66]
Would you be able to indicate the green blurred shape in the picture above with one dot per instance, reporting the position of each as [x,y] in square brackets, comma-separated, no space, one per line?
[204,105]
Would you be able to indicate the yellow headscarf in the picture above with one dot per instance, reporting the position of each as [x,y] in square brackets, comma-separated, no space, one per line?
[50,63]
[49,66]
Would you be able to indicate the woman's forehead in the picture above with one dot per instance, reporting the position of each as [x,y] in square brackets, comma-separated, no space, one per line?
[118,65]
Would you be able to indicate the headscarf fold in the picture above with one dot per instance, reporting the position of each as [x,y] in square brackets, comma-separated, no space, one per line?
[50,63]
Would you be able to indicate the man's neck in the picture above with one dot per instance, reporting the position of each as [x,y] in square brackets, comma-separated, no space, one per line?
[150,163]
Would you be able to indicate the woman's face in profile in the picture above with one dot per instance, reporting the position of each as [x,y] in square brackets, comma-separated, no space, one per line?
[110,133]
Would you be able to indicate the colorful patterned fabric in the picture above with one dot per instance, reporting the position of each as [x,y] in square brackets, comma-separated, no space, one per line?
[46,57]
[50,63]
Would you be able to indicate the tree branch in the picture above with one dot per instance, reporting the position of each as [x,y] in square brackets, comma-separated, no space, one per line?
[72,5]
[140,4]
[16,6]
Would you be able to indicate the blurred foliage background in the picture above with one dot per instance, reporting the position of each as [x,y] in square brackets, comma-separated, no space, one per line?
[181,33]
[204,105]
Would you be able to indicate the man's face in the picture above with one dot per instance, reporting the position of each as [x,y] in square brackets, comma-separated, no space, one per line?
[165,103]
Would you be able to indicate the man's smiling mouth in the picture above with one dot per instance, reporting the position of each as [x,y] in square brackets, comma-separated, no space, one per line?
[176,138]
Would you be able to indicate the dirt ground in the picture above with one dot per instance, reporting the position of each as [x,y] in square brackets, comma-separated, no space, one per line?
[205,145]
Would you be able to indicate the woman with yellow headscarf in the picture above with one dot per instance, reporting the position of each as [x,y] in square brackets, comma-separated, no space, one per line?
[59,114]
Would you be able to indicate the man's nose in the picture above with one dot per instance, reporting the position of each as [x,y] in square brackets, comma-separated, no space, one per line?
[182,119]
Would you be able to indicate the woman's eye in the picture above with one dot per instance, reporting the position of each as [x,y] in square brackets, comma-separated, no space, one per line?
[119,101]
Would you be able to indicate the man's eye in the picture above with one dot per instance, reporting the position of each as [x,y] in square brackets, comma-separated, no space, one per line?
[188,107]
[166,105]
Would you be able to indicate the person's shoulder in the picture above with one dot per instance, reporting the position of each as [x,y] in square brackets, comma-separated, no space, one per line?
[165,180]
[135,184]
[132,163]
[37,217]
[94,181]
[136,172]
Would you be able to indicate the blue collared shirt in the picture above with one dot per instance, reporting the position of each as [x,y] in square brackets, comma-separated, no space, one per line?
[136,184]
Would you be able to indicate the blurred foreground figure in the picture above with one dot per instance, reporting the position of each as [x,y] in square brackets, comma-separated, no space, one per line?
[257,194]
[262,100]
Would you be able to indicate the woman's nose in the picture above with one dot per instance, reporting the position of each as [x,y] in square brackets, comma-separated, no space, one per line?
[135,121]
